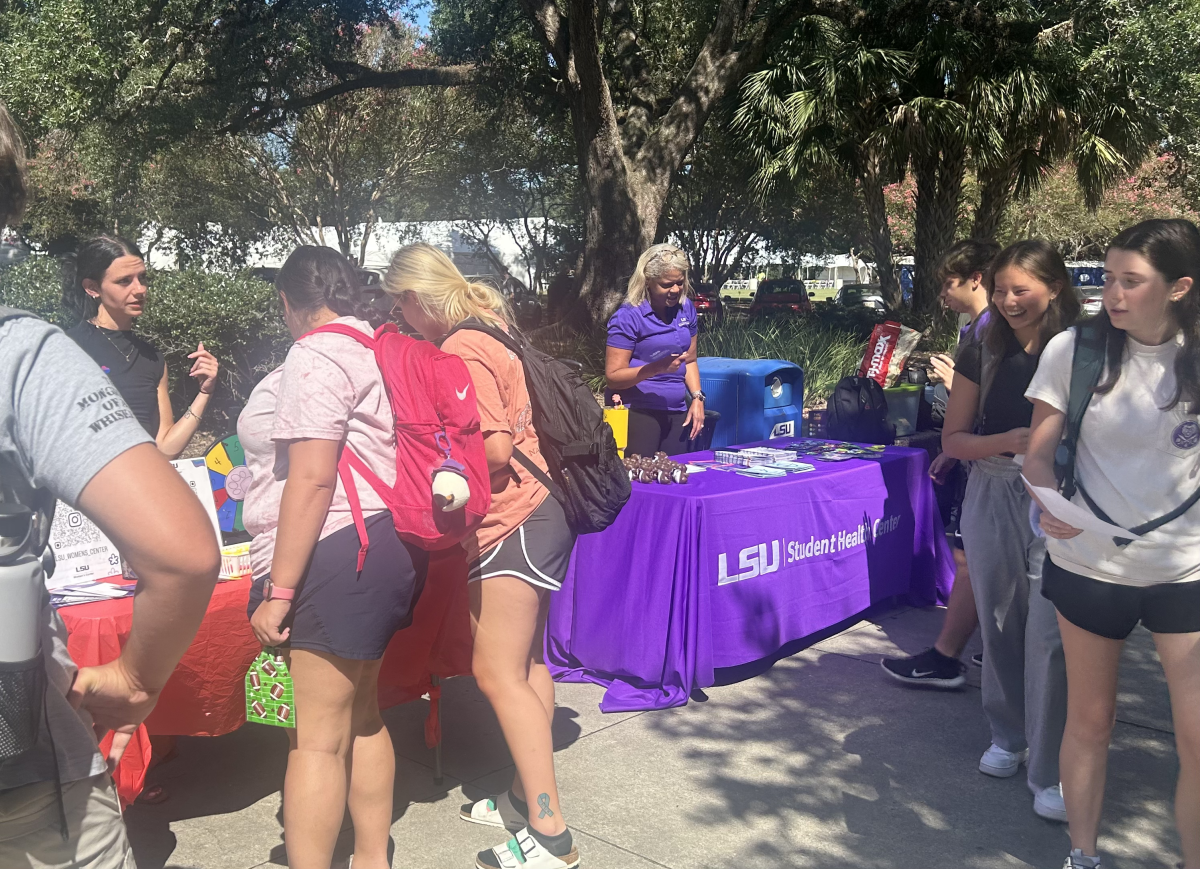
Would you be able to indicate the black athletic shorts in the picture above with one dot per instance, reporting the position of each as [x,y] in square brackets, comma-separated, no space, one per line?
[1111,610]
[348,614]
[537,552]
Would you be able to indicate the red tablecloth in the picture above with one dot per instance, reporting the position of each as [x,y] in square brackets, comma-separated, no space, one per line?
[206,696]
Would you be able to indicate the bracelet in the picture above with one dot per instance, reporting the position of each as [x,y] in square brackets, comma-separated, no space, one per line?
[192,414]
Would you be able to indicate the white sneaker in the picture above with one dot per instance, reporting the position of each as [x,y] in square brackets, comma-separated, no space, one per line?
[1076,860]
[525,852]
[494,812]
[1048,803]
[1000,763]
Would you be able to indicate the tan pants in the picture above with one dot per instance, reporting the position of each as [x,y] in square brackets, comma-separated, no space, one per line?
[31,835]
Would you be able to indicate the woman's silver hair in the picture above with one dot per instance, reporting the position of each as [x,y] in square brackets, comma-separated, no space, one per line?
[654,262]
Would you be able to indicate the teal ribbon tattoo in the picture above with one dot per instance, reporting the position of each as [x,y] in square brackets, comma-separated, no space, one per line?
[544,803]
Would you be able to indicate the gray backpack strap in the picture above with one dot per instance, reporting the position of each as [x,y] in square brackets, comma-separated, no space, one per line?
[1087,365]
[41,503]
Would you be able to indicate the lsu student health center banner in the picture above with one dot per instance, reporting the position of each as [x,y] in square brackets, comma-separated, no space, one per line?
[781,568]
[728,570]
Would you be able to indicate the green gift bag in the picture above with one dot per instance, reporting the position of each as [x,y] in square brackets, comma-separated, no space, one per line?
[269,697]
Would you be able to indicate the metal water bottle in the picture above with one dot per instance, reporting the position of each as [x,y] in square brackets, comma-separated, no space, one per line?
[22,672]
[22,585]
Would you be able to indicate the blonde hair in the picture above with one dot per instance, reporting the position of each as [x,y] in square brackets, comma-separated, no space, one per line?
[440,288]
[654,262]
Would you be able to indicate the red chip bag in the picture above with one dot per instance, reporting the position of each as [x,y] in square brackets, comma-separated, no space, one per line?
[887,351]
[879,352]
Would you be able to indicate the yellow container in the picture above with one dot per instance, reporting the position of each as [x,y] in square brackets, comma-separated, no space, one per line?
[618,419]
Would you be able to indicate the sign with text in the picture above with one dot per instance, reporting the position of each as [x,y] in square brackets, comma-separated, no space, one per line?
[82,553]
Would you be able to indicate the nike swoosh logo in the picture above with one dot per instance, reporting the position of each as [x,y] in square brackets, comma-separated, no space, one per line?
[921,674]
[462,393]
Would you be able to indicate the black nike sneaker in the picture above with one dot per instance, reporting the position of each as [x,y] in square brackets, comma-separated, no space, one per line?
[930,668]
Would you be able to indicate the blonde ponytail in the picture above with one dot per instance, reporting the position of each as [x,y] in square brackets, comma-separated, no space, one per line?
[440,288]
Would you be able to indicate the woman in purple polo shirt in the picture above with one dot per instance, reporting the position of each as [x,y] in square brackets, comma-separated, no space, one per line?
[651,355]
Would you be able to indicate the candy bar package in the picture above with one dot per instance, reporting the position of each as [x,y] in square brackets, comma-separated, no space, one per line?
[269,697]
[889,348]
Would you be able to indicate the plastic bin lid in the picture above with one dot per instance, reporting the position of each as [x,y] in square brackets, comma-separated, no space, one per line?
[723,365]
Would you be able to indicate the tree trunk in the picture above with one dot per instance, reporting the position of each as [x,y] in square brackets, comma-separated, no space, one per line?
[616,229]
[872,181]
[939,177]
[995,193]
[627,174]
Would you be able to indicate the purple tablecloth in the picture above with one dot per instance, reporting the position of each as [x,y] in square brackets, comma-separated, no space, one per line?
[727,570]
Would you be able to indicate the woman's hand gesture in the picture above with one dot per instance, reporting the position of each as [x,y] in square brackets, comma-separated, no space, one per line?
[666,365]
[204,369]
[694,418]
[943,368]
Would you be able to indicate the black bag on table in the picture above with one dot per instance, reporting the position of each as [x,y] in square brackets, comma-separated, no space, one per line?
[587,475]
[857,412]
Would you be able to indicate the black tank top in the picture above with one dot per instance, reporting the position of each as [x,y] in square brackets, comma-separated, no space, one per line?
[131,363]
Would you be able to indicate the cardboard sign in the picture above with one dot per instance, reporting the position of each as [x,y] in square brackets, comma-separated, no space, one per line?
[195,474]
[81,551]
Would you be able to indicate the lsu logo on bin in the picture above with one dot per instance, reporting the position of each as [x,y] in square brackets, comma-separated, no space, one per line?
[752,561]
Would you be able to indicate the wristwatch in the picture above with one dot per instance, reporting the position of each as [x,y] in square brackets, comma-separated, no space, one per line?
[698,395]
[274,592]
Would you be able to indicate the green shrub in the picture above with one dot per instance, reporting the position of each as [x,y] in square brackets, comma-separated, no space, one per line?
[826,352]
[236,316]
[35,285]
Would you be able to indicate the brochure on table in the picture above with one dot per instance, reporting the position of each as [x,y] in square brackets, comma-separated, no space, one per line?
[82,552]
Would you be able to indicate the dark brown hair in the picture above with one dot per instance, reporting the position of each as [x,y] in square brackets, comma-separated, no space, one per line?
[314,277]
[1172,247]
[965,258]
[89,263]
[12,170]
[1038,258]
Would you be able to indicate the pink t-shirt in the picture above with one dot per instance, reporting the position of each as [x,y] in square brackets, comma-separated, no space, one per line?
[328,388]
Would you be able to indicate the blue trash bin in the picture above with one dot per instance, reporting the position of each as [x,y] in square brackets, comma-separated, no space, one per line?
[757,398]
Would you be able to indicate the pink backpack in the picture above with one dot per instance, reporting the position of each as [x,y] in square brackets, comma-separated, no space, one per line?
[437,427]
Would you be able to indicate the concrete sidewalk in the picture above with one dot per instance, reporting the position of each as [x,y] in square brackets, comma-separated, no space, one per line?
[822,761]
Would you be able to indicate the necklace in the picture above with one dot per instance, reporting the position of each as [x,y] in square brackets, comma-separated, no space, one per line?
[132,348]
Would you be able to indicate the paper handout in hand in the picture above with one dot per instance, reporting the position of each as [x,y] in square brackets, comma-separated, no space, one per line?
[1064,511]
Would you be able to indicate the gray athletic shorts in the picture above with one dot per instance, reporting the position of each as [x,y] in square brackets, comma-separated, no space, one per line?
[537,552]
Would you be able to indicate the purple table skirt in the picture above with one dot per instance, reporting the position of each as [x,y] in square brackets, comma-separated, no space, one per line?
[727,570]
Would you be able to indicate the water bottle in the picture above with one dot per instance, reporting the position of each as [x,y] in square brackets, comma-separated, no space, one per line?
[22,673]
[22,585]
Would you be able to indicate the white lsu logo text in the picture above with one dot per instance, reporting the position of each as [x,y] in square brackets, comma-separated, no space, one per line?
[752,561]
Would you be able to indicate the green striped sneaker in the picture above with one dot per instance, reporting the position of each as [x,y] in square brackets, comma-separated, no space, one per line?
[498,811]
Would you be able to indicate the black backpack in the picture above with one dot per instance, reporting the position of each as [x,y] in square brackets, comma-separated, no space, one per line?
[587,475]
[1087,364]
[858,412]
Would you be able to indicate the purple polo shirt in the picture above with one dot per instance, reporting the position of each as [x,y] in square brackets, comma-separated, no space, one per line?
[640,330]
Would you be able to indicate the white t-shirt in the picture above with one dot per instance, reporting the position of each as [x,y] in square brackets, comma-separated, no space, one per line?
[328,388]
[1137,462]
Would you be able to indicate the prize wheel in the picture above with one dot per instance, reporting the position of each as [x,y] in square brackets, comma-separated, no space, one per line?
[230,481]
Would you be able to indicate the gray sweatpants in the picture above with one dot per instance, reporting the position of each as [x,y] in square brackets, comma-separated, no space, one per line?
[1024,674]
